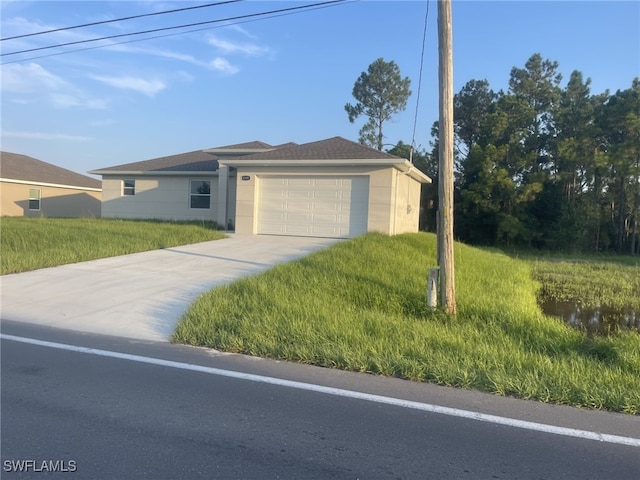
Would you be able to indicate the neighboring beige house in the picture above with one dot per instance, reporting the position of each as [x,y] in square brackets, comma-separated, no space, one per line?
[33,188]
[329,188]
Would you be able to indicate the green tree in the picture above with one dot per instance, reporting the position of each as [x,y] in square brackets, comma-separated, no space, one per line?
[620,121]
[564,203]
[380,92]
[470,109]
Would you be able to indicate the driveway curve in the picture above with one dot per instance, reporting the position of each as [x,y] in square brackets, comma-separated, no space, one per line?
[142,295]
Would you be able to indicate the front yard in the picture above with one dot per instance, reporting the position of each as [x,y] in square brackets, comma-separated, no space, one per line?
[360,305]
[32,243]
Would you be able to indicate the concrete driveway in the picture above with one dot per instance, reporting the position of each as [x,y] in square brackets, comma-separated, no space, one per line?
[142,295]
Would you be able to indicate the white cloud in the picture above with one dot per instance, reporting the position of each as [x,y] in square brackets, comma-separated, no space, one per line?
[63,100]
[44,86]
[222,65]
[45,136]
[228,47]
[146,87]
[29,78]
[241,30]
[183,57]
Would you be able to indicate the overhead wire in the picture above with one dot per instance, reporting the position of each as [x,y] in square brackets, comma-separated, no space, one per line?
[77,42]
[415,117]
[173,34]
[175,10]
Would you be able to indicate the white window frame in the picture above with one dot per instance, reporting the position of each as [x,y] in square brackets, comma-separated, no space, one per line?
[34,198]
[191,194]
[130,189]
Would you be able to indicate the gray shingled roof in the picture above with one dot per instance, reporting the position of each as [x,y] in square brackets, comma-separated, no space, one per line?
[256,144]
[196,161]
[336,148]
[14,166]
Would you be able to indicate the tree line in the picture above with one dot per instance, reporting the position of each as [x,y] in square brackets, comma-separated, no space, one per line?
[538,165]
[544,166]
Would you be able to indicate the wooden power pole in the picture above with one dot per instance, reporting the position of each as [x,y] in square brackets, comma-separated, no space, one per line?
[445,168]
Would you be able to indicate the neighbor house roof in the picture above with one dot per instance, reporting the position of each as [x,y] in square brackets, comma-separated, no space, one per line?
[25,169]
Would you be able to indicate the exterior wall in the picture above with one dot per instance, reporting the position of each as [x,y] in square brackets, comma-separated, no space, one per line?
[407,204]
[381,200]
[160,197]
[231,203]
[382,212]
[54,201]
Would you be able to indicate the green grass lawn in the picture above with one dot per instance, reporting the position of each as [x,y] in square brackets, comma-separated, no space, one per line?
[32,243]
[360,305]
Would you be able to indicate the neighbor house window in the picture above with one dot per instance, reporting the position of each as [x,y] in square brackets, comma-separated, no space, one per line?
[200,196]
[34,199]
[129,186]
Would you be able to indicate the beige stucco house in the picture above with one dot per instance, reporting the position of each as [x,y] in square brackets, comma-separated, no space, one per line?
[33,188]
[329,188]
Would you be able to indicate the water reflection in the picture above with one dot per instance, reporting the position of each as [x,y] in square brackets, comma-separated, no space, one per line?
[596,321]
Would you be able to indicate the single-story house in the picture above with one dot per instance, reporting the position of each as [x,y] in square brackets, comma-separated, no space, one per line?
[33,188]
[329,188]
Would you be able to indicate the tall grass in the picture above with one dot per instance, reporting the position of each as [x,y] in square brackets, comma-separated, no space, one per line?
[360,305]
[590,282]
[32,243]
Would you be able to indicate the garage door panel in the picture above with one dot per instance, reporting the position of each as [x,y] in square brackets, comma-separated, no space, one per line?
[274,216]
[298,181]
[329,195]
[313,206]
[328,181]
[298,194]
[326,207]
[298,218]
[297,229]
[324,220]
[290,206]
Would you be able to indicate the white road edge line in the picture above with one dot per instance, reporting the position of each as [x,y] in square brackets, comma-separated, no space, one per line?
[454,412]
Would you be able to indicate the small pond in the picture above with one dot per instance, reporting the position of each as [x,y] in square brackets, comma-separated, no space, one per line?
[595,321]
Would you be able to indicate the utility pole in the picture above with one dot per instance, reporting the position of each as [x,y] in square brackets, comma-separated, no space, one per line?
[445,168]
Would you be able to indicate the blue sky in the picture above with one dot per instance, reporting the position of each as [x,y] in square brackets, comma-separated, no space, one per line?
[276,80]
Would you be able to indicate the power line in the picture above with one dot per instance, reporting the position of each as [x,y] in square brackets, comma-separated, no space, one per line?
[175,27]
[169,34]
[119,20]
[424,37]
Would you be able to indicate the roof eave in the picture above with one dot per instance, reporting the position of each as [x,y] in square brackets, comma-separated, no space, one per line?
[410,169]
[154,173]
[49,184]
[236,151]
[242,162]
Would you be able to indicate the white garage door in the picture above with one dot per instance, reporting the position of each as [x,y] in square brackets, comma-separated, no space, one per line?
[313,206]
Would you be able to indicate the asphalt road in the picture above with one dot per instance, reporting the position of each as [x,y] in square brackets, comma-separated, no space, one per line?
[115,418]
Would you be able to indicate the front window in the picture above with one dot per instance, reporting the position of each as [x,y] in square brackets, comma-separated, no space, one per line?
[200,196]
[129,186]
[34,199]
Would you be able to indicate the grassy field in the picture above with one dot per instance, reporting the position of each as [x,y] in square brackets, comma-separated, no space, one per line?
[591,280]
[32,243]
[360,305]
